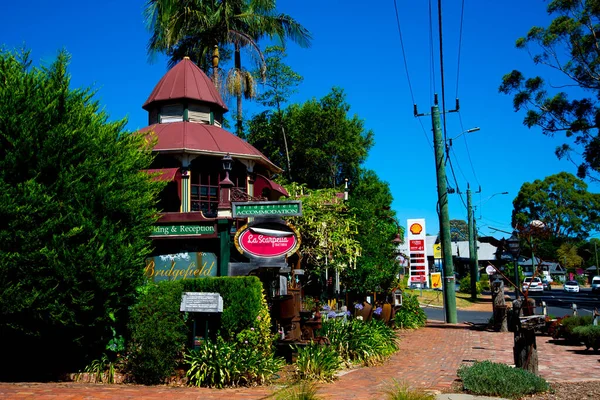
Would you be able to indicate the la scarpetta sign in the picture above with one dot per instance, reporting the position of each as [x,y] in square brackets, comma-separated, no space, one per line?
[267,240]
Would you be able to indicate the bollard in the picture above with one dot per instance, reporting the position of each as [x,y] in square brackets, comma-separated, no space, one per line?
[525,347]
[574,307]
[544,309]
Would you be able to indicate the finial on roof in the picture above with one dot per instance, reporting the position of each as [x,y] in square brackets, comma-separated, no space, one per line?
[186,58]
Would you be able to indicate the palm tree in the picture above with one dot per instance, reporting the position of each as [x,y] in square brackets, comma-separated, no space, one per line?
[193,27]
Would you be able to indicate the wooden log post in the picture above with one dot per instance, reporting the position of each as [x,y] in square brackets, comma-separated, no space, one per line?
[499,306]
[525,347]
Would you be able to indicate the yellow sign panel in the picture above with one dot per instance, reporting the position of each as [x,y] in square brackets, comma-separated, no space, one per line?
[437,250]
[436,280]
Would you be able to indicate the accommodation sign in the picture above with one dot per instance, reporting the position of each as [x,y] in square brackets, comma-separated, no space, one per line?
[249,209]
[182,230]
[178,266]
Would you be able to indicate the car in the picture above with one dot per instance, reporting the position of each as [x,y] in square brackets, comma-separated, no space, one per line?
[571,287]
[546,285]
[533,284]
[596,284]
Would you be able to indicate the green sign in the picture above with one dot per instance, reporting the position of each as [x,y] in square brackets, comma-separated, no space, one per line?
[181,266]
[266,209]
[183,230]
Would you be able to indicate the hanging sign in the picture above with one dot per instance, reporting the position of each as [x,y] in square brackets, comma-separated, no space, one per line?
[248,209]
[267,240]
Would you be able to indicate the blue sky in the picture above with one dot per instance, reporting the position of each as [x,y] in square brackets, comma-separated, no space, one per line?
[356,46]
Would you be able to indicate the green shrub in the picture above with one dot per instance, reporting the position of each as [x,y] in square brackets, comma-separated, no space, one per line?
[359,342]
[401,391]
[568,324]
[589,335]
[410,315]
[465,285]
[316,362]
[159,331]
[158,334]
[484,281]
[495,379]
[219,364]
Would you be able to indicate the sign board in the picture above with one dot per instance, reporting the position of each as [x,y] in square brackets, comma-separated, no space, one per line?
[436,280]
[203,302]
[490,270]
[267,240]
[417,239]
[180,266]
[437,250]
[250,209]
[182,230]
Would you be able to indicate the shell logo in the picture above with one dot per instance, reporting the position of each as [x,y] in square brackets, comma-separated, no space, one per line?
[416,229]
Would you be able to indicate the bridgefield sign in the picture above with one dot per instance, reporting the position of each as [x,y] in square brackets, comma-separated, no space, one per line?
[251,209]
[183,230]
[181,266]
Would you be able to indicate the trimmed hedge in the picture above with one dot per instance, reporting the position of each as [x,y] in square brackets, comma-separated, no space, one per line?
[589,335]
[159,331]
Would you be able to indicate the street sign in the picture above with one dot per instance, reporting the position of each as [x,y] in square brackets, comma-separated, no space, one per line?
[436,280]
[437,250]
[250,209]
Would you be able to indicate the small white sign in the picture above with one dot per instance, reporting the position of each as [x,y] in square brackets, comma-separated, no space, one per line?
[202,302]
[490,270]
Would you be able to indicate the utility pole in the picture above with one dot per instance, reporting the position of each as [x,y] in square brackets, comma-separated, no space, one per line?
[442,189]
[472,246]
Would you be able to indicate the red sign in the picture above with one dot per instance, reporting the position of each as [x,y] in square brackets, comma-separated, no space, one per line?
[416,245]
[416,229]
[266,243]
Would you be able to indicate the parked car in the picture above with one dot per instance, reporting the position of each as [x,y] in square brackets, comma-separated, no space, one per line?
[533,285]
[546,285]
[596,284]
[571,286]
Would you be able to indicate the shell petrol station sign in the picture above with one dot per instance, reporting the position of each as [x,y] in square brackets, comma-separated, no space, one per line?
[419,269]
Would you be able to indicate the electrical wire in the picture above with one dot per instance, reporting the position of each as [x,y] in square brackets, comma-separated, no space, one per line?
[432,88]
[442,68]
[468,152]
[462,17]
[412,95]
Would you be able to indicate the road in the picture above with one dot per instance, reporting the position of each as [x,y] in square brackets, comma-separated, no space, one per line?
[558,304]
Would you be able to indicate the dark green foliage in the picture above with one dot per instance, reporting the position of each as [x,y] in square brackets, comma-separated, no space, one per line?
[494,379]
[75,215]
[159,330]
[326,145]
[317,362]
[376,269]
[563,202]
[410,315]
[219,364]
[403,391]
[568,44]
[359,342]
[589,335]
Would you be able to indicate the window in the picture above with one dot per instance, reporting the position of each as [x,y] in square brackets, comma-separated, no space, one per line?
[171,113]
[199,114]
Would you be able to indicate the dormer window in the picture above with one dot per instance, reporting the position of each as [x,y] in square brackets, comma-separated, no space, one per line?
[200,114]
[171,113]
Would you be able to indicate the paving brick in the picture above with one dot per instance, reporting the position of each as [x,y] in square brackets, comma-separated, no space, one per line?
[428,358]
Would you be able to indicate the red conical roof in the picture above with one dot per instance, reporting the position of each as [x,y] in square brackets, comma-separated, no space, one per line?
[185,81]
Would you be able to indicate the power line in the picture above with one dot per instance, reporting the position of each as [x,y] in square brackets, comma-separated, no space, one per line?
[442,68]
[462,15]
[468,152]
[412,96]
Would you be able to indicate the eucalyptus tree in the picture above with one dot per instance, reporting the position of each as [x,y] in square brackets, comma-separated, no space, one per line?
[194,27]
[569,104]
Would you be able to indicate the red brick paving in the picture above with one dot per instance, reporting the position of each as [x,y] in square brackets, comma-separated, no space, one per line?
[428,358]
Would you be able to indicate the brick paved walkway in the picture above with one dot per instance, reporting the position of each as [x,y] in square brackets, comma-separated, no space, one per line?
[427,358]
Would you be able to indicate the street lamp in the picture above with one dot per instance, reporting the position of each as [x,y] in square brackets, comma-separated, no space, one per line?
[462,133]
[514,249]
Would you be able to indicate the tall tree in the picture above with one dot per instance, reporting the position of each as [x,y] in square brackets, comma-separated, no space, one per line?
[561,202]
[281,82]
[76,212]
[326,144]
[193,27]
[459,230]
[570,45]
[377,267]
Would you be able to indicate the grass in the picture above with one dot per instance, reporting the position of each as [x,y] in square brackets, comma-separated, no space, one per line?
[401,391]
[436,298]
[301,391]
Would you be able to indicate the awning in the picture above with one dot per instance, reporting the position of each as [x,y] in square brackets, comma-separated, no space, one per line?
[163,174]
[261,183]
